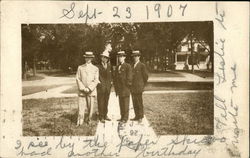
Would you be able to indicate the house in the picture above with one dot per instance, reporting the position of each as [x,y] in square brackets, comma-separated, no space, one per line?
[183,55]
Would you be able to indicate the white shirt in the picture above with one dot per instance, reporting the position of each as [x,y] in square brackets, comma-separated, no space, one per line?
[136,63]
[120,66]
[104,65]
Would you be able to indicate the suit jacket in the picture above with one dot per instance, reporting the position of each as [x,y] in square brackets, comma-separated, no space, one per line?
[123,79]
[105,78]
[87,76]
[140,78]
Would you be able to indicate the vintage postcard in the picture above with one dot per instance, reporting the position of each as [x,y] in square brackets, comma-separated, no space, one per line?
[124,79]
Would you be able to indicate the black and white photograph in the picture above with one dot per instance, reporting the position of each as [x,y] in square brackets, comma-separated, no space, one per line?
[81,79]
[125,79]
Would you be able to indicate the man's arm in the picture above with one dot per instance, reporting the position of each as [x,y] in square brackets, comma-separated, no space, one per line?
[144,73]
[94,83]
[79,83]
[114,76]
[129,75]
[111,75]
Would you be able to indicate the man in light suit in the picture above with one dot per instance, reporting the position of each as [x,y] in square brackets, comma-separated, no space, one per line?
[87,78]
[104,87]
[122,82]
[140,78]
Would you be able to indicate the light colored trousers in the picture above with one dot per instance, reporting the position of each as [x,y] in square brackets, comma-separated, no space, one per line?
[84,103]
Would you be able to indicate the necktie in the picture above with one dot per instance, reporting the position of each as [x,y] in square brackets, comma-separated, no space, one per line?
[119,67]
[135,64]
[104,65]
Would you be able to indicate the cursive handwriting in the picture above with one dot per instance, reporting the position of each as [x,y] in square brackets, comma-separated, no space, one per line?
[220,16]
[63,145]
[42,146]
[221,75]
[186,140]
[69,13]
[81,14]
[221,104]
[168,151]
[91,147]
[234,115]
[233,86]
[135,145]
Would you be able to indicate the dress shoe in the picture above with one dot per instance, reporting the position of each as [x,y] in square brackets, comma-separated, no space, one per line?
[134,119]
[107,118]
[123,121]
[139,120]
[87,122]
[102,121]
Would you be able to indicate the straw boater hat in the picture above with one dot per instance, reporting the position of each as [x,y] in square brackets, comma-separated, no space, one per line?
[136,53]
[88,55]
[105,54]
[121,53]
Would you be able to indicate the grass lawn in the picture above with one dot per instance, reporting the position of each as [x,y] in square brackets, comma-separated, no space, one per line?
[53,117]
[158,86]
[34,89]
[181,113]
[200,73]
[73,89]
[165,74]
[204,74]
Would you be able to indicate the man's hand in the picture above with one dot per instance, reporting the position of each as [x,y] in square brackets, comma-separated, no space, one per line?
[86,90]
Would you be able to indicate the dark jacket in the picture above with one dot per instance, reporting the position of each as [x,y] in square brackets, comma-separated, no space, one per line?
[140,78]
[105,79]
[123,80]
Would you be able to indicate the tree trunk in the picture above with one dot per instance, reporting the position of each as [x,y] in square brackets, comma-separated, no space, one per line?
[192,56]
[24,76]
[34,66]
[25,69]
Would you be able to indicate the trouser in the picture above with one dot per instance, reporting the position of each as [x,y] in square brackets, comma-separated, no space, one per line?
[103,100]
[124,107]
[84,103]
[138,105]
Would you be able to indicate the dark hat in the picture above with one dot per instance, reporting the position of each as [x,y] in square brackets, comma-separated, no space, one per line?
[136,53]
[121,53]
[88,55]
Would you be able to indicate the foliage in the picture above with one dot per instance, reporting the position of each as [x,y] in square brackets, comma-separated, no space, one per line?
[62,45]
[54,117]
[180,113]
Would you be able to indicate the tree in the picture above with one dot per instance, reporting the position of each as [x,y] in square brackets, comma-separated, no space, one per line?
[64,44]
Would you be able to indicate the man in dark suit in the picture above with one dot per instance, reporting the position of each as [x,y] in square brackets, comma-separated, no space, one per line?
[103,88]
[140,78]
[123,81]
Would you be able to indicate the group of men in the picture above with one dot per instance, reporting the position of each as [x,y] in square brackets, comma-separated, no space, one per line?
[97,80]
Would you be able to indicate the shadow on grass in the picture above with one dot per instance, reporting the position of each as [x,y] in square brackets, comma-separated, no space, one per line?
[160,86]
[54,117]
[200,73]
[34,89]
[166,74]
[180,113]
[70,116]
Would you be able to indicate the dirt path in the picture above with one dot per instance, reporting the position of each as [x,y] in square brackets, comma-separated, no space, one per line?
[48,80]
[51,93]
